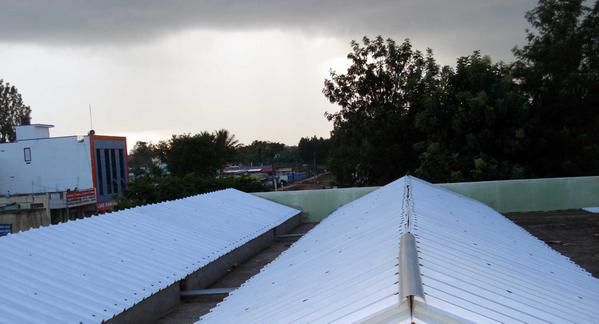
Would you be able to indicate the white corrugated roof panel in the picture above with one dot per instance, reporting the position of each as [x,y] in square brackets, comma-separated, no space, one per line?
[92,269]
[594,210]
[474,264]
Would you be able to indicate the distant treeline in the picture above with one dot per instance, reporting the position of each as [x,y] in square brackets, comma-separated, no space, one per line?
[191,164]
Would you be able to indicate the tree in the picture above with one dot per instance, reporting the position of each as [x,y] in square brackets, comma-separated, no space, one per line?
[226,145]
[13,111]
[474,124]
[155,188]
[201,154]
[559,71]
[380,95]
[259,152]
[313,150]
[142,158]
[402,113]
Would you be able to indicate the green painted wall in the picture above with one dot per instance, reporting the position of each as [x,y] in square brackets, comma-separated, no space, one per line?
[532,194]
[317,204]
[504,196]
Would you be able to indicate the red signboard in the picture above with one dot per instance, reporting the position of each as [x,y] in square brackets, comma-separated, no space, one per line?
[81,197]
[105,206]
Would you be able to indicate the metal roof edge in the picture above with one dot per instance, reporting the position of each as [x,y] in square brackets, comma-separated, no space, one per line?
[429,314]
[386,310]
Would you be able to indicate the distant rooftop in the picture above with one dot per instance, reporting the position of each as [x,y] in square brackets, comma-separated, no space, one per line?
[33,131]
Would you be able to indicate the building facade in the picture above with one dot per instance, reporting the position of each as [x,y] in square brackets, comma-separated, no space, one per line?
[80,174]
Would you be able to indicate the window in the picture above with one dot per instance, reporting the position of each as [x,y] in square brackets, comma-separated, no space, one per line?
[107,174]
[27,154]
[115,182]
[99,172]
[122,169]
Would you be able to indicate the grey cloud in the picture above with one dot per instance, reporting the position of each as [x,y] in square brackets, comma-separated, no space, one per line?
[113,21]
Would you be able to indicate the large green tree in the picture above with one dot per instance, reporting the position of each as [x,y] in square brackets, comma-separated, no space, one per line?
[473,124]
[558,68]
[380,95]
[13,111]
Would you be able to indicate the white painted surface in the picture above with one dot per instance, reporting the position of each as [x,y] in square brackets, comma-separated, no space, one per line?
[57,164]
[93,269]
[594,210]
[475,264]
[35,131]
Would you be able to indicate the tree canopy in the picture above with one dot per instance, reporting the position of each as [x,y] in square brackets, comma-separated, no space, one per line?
[201,154]
[400,112]
[265,152]
[13,111]
[314,150]
[558,69]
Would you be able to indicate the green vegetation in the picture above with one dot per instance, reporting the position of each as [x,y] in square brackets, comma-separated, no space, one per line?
[13,111]
[314,150]
[401,112]
[264,153]
[193,163]
[537,117]
[157,187]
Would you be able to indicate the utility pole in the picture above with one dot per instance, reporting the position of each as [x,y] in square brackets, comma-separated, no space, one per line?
[91,123]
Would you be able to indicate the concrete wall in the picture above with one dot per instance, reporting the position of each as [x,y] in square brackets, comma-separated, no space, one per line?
[25,219]
[316,204]
[26,201]
[532,194]
[504,196]
[32,131]
[57,164]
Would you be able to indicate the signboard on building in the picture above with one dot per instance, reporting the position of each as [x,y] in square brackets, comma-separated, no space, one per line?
[81,197]
[106,206]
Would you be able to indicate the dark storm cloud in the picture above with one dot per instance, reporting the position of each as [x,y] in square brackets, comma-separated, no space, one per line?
[80,21]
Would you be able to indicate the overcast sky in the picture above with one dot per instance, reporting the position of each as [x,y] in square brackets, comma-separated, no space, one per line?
[154,68]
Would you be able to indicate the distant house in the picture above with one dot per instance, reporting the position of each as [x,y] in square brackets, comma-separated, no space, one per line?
[264,173]
[79,175]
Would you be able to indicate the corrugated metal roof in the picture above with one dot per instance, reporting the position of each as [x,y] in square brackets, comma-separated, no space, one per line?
[594,210]
[92,269]
[475,265]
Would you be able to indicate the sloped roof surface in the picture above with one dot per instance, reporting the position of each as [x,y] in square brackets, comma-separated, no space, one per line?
[92,269]
[475,265]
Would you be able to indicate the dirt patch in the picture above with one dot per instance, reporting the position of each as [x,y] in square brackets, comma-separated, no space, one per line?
[574,233]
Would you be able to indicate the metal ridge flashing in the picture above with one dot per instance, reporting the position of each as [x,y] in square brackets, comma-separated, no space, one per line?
[410,282]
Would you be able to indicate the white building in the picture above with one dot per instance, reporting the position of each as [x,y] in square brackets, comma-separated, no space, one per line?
[75,168]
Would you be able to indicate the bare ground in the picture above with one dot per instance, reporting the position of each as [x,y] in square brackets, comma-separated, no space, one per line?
[574,233]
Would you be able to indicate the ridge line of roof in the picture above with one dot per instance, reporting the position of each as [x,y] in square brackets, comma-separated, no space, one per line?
[410,279]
